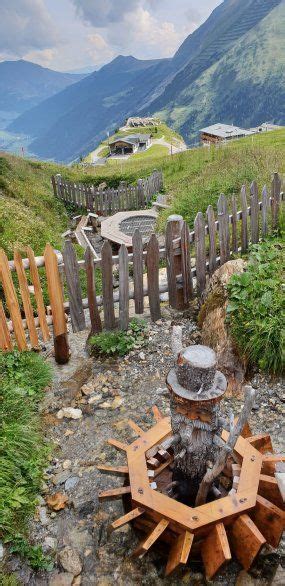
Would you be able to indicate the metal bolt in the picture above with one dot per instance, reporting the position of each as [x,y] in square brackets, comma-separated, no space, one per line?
[195,518]
[252,458]
[243,500]
[140,490]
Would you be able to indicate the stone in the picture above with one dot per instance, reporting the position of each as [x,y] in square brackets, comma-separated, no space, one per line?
[50,543]
[105,405]
[117,402]
[77,581]
[70,560]
[244,579]
[1,551]
[61,477]
[71,482]
[142,356]
[88,388]
[69,413]
[44,519]
[279,578]
[95,399]
[66,464]
[61,579]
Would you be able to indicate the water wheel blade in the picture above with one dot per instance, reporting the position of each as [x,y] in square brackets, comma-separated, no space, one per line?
[269,489]
[261,442]
[157,414]
[146,544]
[114,493]
[136,428]
[117,471]
[246,540]
[269,519]
[215,550]
[269,463]
[127,518]
[179,552]
[118,445]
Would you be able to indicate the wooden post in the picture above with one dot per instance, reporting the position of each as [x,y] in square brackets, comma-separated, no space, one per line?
[12,301]
[254,213]
[186,264]
[244,233]
[174,261]
[234,226]
[224,237]
[141,194]
[200,251]
[152,264]
[96,325]
[25,294]
[264,212]
[107,286]
[123,288]
[61,348]
[53,182]
[138,271]
[212,239]
[74,288]
[275,195]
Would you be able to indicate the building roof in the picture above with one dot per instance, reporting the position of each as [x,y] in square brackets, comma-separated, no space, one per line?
[132,138]
[225,131]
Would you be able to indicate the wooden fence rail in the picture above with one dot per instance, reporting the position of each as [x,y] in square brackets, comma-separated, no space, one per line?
[190,256]
[106,202]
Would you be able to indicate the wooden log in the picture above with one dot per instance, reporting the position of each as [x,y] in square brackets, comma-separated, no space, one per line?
[127,518]
[115,470]
[153,536]
[187,280]
[173,261]
[246,540]
[61,347]
[12,301]
[96,325]
[123,288]
[275,196]
[224,237]
[264,212]
[113,493]
[200,251]
[212,239]
[138,271]
[152,265]
[261,442]
[254,213]
[215,550]
[107,286]
[234,225]
[269,489]
[74,287]
[269,519]
[25,294]
[117,444]
[269,463]
[5,338]
[244,230]
[179,552]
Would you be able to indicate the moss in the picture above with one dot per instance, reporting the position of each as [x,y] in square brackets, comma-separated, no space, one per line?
[214,300]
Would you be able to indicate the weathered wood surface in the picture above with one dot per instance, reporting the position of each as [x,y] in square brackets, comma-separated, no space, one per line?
[275,195]
[269,519]
[224,236]
[187,280]
[215,550]
[96,325]
[246,540]
[74,287]
[25,294]
[123,288]
[138,271]
[212,239]
[56,302]
[200,251]
[152,264]
[179,552]
[234,225]
[244,229]
[254,213]
[264,212]
[107,286]
[5,339]
[12,301]
[38,294]
[173,261]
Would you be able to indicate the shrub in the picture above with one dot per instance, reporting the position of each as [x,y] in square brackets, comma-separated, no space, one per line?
[254,312]
[118,343]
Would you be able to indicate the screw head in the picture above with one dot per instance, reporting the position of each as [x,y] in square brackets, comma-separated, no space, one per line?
[140,490]
[195,518]
[243,500]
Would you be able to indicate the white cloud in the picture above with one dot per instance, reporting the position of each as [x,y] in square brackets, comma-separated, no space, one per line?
[98,49]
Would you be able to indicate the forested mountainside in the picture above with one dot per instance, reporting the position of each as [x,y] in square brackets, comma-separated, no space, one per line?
[234,60]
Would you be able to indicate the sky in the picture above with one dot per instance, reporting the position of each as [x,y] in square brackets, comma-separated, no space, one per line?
[68,35]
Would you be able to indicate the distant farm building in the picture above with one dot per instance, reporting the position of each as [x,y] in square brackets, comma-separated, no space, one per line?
[129,145]
[147,121]
[225,132]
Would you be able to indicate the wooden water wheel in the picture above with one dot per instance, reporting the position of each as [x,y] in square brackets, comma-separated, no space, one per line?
[243,512]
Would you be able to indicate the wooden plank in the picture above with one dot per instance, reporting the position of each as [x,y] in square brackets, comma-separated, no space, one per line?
[123,288]
[179,552]
[215,550]
[275,195]
[153,536]
[138,271]
[244,230]
[152,265]
[234,225]
[212,239]
[246,540]
[74,288]
[173,261]
[114,493]
[25,294]
[57,307]
[269,519]
[135,427]
[12,301]
[269,463]
[117,444]
[261,442]
[107,286]
[116,470]
[38,294]
[134,514]
[254,213]
[5,338]
[269,489]
[96,325]
[264,212]
[224,236]
[186,264]
[200,251]
[157,413]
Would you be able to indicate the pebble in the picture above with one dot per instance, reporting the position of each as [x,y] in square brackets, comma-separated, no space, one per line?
[70,560]
[61,477]
[95,399]
[71,482]
[69,413]
[142,356]
[50,543]
[44,519]
[105,405]
[117,402]
[61,579]
[66,464]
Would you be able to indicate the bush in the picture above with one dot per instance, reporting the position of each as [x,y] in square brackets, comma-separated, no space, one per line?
[254,312]
[118,343]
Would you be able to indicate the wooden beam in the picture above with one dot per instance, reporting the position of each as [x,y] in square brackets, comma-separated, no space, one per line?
[157,414]
[136,428]
[246,540]
[269,519]
[118,445]
[146,544]
[127,518]
[179,552]
[114,493]
[215,550]
[269,463]
[261,442]
[117,471]
[269,489]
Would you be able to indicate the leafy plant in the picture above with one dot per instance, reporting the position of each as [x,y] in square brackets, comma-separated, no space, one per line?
[119,343]
[255,311]
[33,554]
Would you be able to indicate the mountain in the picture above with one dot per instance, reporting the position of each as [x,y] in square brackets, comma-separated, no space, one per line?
[24,84]
[231,69]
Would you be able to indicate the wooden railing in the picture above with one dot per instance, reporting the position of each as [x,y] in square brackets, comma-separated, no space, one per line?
[26,323]
[108,201]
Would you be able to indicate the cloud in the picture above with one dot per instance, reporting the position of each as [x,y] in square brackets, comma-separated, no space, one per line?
[25,25]
[98,49]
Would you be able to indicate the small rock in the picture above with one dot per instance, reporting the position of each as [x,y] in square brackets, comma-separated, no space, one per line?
[117,402]
[61,579]
[44,519]
[105,405]
[70,560]
[142,356]
[50,543]
[71,482]
[57,501]
[66,464]
[88,388]
[76,581]
[279,578]
[95,399]
[1,551]
[244,579]
[69,413]
[61,477]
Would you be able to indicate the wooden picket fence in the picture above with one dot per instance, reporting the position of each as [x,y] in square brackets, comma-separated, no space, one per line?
[106,202]
[212,242]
